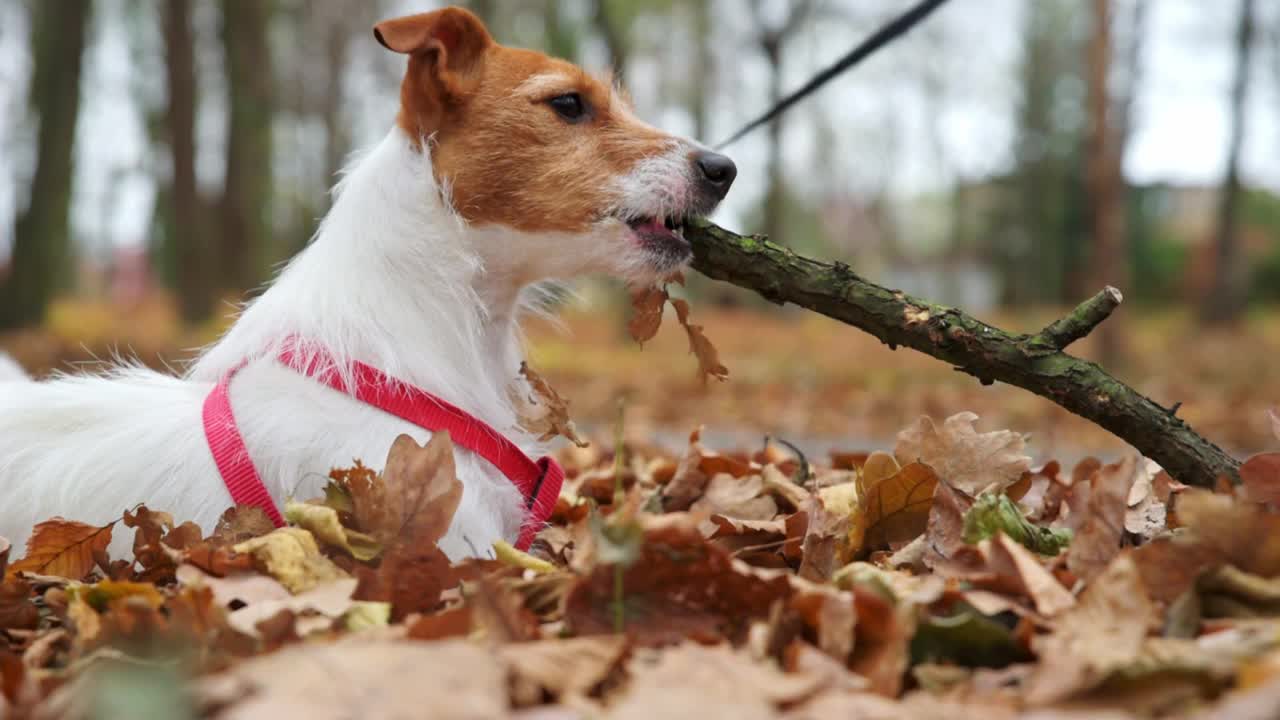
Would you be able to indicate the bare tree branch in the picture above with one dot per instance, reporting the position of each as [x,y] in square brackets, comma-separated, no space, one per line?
[1033,362]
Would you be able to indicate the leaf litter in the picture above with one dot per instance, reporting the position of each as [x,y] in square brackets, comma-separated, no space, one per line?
[945,579]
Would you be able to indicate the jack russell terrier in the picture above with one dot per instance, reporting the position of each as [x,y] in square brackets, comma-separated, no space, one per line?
[505,167]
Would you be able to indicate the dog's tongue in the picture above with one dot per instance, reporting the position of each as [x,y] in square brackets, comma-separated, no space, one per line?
[652,225]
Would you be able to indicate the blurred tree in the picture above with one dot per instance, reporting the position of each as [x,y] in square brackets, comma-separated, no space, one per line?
[42,241]
[246,207]
[185,239]
[1040,245]
[1107,134]
[771,36]
[1228,290]
[561,35]
[612,21]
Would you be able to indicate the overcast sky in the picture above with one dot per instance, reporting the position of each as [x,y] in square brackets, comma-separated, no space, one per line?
[883,128]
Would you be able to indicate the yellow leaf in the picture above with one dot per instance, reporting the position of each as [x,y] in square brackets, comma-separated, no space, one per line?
[64,548]
[365,615]
[292,556]
[322,522]
[508,555]
[894,510]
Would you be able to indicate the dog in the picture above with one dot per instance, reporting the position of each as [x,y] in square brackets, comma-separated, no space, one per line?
[504,168]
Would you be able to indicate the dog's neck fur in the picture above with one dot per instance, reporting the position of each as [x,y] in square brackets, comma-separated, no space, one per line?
[393,278]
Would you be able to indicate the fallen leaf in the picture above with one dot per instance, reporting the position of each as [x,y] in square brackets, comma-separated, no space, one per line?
[241,523]
[554,417]
[330,601]
[361,678]
[995,514]
[17,611]
[64,548]
[895,510]
[322,522]
[292,556]
[1260,476]
[646,304]
[1098,540]
[962,457]
[423,491]
[738,498]
[1008,558]
[693,681]
[1243,535]
[565,667]
[1145,517]
[1102,633]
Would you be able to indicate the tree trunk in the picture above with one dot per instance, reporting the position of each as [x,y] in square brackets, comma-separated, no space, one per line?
[1228,291]
[1105,174]
[246,246]
[186,236]
[42,242]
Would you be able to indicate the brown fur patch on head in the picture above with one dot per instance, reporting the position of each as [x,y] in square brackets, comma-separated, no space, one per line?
[505,155]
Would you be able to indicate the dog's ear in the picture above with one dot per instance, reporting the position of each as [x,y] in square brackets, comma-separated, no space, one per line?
[445,48]
[452,41]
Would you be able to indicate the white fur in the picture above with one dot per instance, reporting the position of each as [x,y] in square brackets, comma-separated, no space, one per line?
[393,278]
[10,370]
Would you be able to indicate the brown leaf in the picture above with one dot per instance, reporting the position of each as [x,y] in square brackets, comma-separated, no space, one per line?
[646,305]
[364,493]
[1260,476]
[895,510]
[1102,633]
[17,612]
[1146,514]
[944,531]
[882,651]
[568,667]
[738,498]
[423,490]
[1245,535]
[241,523]
[1098,540]
[693,681]
[554,419]
[709,365]
[680,586]
[962,457]
[362,678]
[64,548]
[1009,559]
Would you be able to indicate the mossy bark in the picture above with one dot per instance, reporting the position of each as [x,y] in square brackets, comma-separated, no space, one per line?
[1033,362]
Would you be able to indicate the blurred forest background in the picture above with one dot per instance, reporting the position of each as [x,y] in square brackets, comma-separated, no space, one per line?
[158,158]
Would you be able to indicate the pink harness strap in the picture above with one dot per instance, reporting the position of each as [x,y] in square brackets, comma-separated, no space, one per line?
[538,481]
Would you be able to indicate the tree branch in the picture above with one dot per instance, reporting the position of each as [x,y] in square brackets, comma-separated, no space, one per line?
[1033,362]
[1080,322]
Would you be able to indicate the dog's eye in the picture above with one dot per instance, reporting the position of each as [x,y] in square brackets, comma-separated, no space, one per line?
[568,106]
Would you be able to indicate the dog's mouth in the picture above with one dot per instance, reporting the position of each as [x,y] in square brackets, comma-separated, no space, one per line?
[664,234]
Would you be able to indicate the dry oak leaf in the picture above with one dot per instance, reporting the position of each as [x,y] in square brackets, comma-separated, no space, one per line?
[963,457]
[1009,559]
[1104,632]
[64,548]
[423,490]
[1242,534]
[240,523]
[1260,476]
[709,365]
[693,681]
[564,667]
[1098,540]
[361,678]
[1147,513]
[646,304]
[292,556]
[554,417]
[323,522]
[894,511]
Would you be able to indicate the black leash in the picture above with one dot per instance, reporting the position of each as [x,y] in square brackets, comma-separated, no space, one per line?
[900,25]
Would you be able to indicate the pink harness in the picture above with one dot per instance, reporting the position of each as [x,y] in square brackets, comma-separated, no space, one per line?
[538,481]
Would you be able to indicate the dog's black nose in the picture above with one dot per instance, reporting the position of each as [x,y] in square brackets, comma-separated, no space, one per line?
[718,172]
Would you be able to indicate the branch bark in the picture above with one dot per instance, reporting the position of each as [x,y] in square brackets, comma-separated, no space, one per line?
[1035,363]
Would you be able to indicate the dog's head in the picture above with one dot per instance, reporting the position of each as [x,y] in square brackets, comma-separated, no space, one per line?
[528,143]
